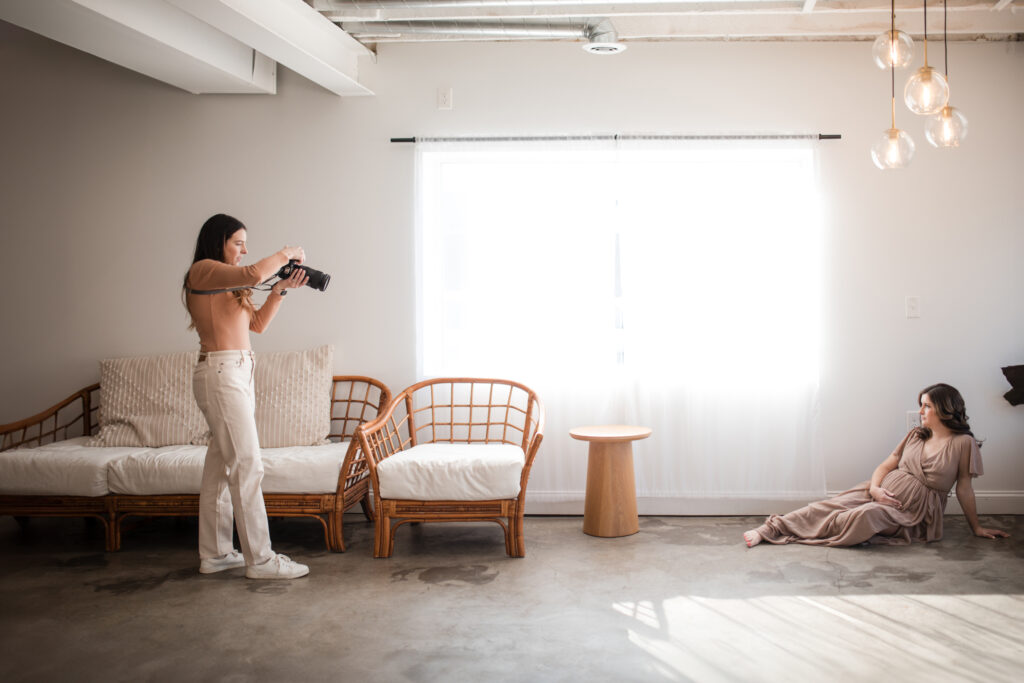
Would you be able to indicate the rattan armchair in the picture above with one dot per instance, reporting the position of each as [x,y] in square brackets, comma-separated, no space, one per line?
[465,413]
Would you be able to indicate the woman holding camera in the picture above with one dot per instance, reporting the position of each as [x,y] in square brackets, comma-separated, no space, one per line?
[219,300]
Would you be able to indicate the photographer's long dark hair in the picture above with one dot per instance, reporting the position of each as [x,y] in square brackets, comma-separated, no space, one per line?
[949,406]
[210,245]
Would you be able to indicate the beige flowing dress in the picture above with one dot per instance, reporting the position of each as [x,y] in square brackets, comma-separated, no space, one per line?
[920,483]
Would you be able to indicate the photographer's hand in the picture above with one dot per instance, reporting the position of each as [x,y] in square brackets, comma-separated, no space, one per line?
[294,253]
[298,278]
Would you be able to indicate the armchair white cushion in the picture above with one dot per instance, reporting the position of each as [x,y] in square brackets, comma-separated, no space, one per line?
[453,471]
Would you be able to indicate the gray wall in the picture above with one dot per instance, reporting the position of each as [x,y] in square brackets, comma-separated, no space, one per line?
[107,176]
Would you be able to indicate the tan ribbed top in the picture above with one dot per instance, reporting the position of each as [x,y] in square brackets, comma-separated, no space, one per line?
[222,322]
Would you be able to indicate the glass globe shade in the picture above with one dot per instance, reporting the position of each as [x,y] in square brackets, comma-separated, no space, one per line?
[948,128]
[927,91]
[893,48]
[893,150]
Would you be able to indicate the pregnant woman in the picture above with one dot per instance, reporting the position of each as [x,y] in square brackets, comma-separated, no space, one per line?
[906,497]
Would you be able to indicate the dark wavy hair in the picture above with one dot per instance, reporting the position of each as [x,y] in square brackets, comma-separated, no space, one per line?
[949,406]
[210,245]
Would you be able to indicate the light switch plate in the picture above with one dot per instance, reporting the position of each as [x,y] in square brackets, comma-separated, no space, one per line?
[913,306]
[444,99]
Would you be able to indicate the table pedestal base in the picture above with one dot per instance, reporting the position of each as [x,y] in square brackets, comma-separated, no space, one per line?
[610,508]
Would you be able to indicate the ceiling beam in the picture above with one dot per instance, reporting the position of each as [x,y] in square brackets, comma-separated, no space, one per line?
[151,38]
[291,32]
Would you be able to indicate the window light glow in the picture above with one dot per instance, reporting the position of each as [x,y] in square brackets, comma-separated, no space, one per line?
[698,264]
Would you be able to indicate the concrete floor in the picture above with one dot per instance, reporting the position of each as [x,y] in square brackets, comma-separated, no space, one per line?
[684,599]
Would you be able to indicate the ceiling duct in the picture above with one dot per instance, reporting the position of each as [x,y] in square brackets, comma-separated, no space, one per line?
[350,7]
[603,40]
[679,20]
[465,30]
[600,35]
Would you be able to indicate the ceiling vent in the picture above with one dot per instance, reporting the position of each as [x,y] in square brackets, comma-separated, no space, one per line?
[603,40]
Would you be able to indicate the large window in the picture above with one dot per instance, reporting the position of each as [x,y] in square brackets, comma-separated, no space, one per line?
[674,285]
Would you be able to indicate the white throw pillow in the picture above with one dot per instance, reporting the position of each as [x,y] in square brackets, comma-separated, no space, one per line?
[148,401]
[293,397]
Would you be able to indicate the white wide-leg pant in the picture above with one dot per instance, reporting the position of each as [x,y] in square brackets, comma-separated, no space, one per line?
[233,473]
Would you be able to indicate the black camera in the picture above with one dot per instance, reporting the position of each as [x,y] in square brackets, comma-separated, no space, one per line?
[317,279]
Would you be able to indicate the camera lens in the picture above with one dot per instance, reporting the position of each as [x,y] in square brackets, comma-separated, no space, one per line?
[317,279]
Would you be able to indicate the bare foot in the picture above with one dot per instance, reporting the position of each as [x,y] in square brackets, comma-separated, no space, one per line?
[752,537]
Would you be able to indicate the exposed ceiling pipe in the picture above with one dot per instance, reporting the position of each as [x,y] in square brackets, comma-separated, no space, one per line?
[340,6]
[481,29]
[602,39]
[600,35]
[686,20]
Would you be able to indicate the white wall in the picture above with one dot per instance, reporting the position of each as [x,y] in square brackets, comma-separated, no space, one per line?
[107,176]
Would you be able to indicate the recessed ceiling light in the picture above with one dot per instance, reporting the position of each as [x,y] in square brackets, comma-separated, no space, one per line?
[604,48]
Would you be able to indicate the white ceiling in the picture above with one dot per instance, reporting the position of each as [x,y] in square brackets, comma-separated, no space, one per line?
[378,21]
[234,46]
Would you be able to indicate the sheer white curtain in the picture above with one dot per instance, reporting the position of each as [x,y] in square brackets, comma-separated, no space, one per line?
[669,284]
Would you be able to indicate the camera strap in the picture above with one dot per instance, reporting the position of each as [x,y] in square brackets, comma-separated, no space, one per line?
[218,291]
[261,287]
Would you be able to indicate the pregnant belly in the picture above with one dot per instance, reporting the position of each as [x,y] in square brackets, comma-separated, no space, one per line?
[907,489]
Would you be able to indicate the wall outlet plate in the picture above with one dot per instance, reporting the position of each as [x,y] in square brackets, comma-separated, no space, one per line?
[913,419]
[444,99]
[913,305]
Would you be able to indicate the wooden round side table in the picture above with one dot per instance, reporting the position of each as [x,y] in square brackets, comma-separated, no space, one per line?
[610,508]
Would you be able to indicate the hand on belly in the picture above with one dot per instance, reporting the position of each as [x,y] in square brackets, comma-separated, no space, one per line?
[885,497]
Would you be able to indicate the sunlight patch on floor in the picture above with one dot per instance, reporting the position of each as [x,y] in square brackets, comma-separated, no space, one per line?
[798,638]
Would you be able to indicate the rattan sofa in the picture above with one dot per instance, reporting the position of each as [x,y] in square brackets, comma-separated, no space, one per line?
[443,447]
[354,400]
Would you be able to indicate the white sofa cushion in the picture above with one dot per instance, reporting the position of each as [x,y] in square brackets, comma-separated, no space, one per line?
[452,471]
[293,397]
[65,468]
[179,470]
[147,401]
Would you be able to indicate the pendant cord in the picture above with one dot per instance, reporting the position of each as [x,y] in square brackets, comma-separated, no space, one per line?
[945,37]
[892,61]
[926,33]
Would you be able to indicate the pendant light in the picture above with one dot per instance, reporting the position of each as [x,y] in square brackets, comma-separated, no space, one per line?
[948,127]
[927,91]
[895,148]
[893,48]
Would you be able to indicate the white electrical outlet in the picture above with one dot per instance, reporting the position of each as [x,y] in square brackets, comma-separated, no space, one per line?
[913,307]
[913,419]
[444,99]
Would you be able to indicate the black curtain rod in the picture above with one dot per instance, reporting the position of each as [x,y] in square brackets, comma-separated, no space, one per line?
[564,138]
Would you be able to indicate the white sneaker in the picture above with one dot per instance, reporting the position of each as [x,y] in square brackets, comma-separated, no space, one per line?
[278,567]
[213,565]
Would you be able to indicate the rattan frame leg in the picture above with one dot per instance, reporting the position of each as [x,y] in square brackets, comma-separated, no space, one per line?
[384,536]
[518,542]
[366,503]
[335,524]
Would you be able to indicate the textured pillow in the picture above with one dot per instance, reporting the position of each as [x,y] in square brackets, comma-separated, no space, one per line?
[148,401]
[293,397]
